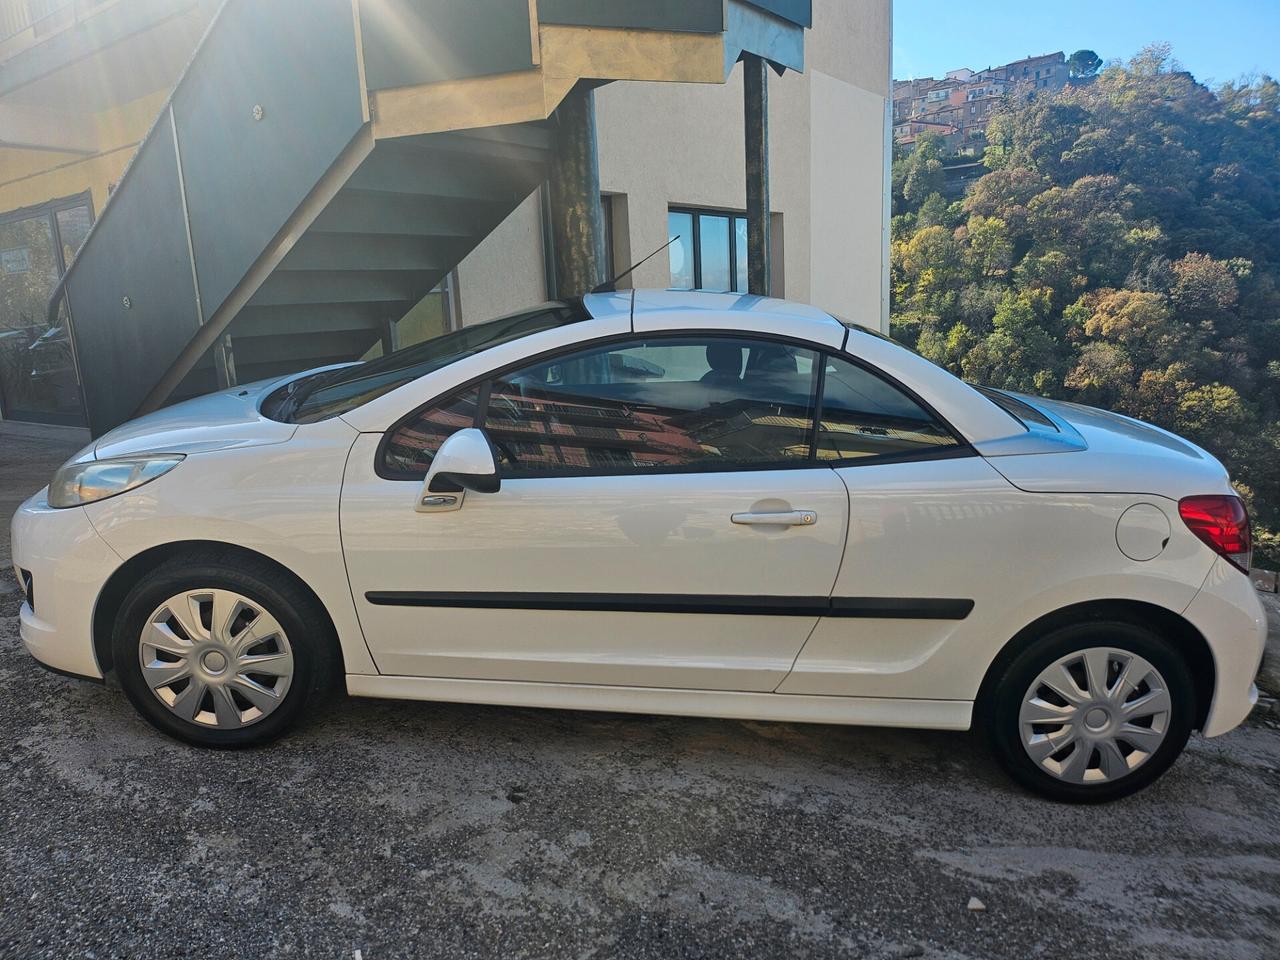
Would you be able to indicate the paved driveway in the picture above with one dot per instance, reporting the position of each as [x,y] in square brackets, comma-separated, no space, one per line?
[404,829]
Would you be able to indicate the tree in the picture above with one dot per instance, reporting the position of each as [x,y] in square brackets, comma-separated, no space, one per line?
[1153,59]
[933,212]
[989,244]
[1122,250]
[917,176]
[1083,63]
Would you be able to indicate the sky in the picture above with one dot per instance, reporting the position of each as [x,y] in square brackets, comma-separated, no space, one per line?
[1217,40]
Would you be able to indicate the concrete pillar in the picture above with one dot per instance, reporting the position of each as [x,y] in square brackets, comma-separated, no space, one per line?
[755,89]
[576,217]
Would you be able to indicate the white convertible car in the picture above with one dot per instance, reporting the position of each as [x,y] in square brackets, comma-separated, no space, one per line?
[664,503]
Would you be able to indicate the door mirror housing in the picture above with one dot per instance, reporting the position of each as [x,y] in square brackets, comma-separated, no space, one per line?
[465,461]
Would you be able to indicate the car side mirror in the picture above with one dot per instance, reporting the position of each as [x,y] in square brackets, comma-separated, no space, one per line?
[464,462]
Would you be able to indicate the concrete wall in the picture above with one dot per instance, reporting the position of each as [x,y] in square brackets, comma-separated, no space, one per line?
[664,143]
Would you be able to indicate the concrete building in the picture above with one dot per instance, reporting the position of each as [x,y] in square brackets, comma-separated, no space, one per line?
[959,106]
[88,86]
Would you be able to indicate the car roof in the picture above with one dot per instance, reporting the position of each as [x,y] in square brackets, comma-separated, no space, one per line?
[643,311]
[651,301]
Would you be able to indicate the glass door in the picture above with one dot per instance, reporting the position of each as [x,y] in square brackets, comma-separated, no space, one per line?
[38,378]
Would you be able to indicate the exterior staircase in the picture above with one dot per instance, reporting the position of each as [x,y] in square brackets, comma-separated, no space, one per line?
[408,215]
[323,164]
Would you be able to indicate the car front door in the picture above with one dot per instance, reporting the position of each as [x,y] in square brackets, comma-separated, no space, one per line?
[662,522]
[929,518]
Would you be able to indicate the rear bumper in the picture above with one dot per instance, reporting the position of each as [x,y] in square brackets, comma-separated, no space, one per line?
[1229,615]
[69,564]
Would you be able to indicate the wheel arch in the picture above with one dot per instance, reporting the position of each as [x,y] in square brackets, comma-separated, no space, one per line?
[138,566]
[1173,627]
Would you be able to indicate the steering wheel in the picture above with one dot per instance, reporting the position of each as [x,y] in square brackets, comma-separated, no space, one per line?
[505,450]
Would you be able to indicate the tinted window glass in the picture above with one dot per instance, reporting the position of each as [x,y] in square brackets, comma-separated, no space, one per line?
[413,445]
[866,416]
[717,403]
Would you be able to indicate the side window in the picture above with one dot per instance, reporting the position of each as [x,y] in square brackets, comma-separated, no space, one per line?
[715,403]
[864,415]
[414,443]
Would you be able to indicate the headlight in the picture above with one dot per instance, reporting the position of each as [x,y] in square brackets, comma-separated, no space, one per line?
[76,484]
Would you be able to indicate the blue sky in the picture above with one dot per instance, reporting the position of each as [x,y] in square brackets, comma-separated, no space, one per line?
[1215,39]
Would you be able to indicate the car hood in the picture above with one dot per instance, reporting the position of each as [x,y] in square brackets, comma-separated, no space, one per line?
[216,421]
[1119,455]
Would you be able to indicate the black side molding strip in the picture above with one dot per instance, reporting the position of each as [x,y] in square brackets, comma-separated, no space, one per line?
[888,608]
[901,608]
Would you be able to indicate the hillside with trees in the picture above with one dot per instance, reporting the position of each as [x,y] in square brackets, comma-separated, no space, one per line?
[1122,250]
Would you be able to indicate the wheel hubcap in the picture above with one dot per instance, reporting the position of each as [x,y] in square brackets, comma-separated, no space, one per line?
[216,658]
[1095,715]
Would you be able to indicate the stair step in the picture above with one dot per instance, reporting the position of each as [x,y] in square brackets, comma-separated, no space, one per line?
[396,214]
[370,251]
[312,350]
[320,318]
[522,142]
[433,172]
[343,286]
[533,134]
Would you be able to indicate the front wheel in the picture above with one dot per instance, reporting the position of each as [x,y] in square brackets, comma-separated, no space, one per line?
[222,654]
[1091,712]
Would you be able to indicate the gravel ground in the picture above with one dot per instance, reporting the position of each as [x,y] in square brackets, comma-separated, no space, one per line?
[408,829]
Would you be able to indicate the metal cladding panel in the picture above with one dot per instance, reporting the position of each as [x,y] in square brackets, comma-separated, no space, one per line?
[139,251]
[689,16]
[408,42]
[799,12]
[749,29]
[247,171]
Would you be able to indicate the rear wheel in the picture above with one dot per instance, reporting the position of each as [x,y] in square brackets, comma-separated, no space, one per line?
[222,654]
[1091,712]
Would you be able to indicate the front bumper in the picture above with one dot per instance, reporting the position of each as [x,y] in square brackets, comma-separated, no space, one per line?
[69,564]
[1228,614]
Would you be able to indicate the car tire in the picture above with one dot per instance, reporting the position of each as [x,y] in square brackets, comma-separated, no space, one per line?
[1133,733]
[248,681]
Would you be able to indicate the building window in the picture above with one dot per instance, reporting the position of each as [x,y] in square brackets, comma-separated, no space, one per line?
[38,379]
[711,252]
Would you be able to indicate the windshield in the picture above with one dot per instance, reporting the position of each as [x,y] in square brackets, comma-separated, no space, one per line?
[333,392]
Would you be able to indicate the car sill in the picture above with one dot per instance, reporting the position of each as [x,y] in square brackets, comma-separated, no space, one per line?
[727,705]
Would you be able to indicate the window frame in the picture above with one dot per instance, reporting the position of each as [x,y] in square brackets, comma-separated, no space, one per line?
[696,214]
[482,383]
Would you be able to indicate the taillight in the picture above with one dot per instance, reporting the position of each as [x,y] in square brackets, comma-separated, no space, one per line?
[1223,523]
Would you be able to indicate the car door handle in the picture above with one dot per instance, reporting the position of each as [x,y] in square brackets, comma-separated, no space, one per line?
[788,518]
